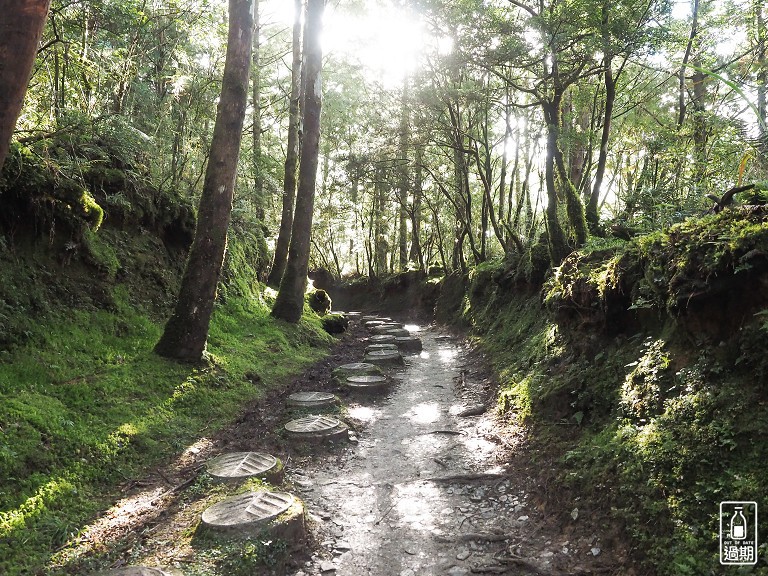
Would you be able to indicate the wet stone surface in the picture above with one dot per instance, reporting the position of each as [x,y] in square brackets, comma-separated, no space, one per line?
[384,357]
[382,339]
[374,347]
[422,493]
[366,382]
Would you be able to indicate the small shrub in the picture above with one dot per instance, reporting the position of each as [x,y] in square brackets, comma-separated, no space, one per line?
[335,323]
[319,301]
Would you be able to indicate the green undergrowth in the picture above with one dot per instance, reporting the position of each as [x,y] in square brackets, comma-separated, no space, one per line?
[84,403]
[640,368]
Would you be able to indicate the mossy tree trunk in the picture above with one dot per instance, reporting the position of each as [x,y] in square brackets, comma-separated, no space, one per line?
[289,303]
[20,29]
[186,332]
[592,212]
[291,157]
[558,246]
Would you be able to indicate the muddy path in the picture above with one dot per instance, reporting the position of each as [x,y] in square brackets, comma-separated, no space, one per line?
[432,484]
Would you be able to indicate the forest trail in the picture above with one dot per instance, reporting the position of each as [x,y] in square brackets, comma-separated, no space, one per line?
[432,481]
[426,491]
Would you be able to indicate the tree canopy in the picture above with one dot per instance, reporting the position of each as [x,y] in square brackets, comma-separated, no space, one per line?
[478,130]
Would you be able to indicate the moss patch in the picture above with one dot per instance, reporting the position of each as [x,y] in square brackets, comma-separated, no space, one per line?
[643,372]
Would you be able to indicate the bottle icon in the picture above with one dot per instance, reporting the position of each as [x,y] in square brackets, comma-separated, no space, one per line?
[738,524]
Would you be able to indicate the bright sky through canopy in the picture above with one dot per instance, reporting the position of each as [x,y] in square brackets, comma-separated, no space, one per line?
[385,39]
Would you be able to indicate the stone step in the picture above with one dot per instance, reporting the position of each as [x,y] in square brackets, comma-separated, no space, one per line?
[238,466]
[279,514]
[340,373]
[367,383]
[384,357]
[408,343]
[374,347]
[397,332]
[312,399]
[316,428]
[382,339]
[384,328]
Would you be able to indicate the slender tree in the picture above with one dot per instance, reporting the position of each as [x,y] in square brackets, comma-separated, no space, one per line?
[20,30]
[258,176]
[761,38]
[291,157]
[186,332]
[403,183]
[289,303]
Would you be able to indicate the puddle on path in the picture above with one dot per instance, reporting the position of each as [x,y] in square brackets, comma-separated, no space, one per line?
[422,492]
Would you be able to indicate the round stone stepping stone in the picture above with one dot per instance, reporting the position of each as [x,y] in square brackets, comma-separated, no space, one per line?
[373,347]
[382,339]
[383,328]
[355,368]
[384,357]
[236,466]
[408,343]
[138,571]
[366,383]
[397,332]
[311,399]
[373,323]
[316,427]
[251,513]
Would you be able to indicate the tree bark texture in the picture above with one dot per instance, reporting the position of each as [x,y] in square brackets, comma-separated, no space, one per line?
[762,72]
[415,254]
[403,184]
[21,26]
[186,332]
[289,303]
[258,177]
[558,246]
[291,158]
[592,214]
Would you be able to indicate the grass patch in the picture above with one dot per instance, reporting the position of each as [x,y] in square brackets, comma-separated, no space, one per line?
[84,405]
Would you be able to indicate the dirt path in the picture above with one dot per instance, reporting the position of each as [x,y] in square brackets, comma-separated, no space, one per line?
[426,491]
[423,487]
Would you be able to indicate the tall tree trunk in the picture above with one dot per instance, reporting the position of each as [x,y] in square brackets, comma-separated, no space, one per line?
[258,177]
[762,72]
[291,157]
[20,29]
[558,246]
[289,303]
[681,104]
[415,253]
[186,332]
[402,184]
[700,129]
[381,246]
[592,215]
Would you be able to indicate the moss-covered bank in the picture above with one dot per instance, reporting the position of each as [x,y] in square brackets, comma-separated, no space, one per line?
[642,367]
[84,404]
